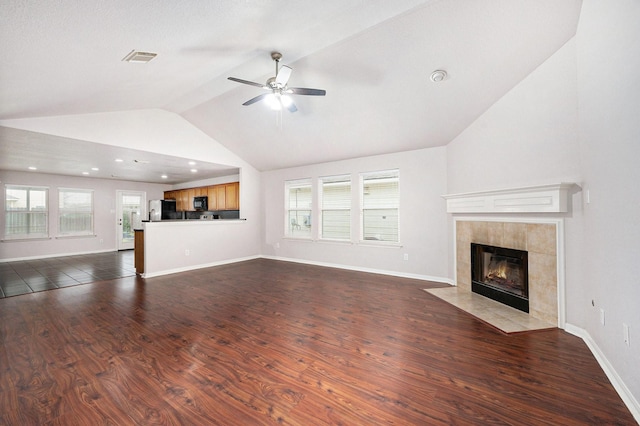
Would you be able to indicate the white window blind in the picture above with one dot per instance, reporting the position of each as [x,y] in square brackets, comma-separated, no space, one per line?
[26,212]
[298,197]
[75,209]
[335,196]
[380,205]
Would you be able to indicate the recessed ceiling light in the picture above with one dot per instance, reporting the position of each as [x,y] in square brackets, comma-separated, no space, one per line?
[33,168]
[85,173]
[194,171]
[139,57]
[164,176]
[192,163]
[438,75]
[119,160]
[95,169]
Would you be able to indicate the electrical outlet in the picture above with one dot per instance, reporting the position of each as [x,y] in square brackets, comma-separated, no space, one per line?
[101,241]
[406,256]
[601,316]
[186,252]
[625,333]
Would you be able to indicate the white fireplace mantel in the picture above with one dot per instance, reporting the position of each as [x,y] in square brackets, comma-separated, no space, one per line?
[551,198]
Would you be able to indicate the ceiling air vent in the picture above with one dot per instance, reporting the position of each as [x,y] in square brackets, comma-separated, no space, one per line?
[141,57]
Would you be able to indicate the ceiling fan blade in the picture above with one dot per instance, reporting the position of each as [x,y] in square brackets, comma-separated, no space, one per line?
[283,75]
[306,91]
[250,83]
[256,99]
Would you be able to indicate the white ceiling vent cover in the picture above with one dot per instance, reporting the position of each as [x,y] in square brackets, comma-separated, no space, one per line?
[141,57]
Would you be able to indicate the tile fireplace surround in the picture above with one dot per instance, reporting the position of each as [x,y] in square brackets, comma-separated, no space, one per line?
[527,218]
[539,239]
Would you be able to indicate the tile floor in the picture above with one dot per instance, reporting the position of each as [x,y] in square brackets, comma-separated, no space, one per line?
[503,317]
[29,276]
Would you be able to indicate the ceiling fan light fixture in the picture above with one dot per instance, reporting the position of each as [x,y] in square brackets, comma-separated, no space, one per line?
[273,102]
[286,101]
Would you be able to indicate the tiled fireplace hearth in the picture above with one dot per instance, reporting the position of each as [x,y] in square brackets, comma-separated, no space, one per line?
[538,239]
[526,219]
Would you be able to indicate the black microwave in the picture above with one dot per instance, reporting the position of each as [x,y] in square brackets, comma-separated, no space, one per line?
[200,203]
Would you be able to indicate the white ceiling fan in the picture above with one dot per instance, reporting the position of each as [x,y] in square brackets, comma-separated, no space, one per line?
[278,91]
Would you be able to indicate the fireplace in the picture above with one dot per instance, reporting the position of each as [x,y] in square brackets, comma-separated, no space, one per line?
[500,274]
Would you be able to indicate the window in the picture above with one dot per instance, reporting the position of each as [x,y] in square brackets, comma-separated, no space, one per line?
[298,208]
[26,212]
[335,207]
[380,204]
[76,212]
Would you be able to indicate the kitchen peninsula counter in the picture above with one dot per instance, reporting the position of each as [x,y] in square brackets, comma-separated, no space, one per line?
[172,246]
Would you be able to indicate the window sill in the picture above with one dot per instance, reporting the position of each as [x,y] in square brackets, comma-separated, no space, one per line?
[22,240]
[379,243]
[64,237]
[289,237]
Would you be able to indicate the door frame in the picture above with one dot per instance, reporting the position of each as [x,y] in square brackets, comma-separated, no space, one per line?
[118,225]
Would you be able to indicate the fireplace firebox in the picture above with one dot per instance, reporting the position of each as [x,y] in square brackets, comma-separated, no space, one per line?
[500,274]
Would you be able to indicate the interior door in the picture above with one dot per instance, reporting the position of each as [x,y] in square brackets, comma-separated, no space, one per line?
[131,207]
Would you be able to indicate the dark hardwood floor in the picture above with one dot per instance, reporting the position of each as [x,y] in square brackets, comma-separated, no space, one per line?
[267,342]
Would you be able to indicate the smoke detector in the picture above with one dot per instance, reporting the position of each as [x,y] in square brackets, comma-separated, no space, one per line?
[140,57]
[438,75]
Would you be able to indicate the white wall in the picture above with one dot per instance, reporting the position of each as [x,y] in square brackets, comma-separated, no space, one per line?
[608,41]
[572,121]
[104,214]
[423,222]
[529,137]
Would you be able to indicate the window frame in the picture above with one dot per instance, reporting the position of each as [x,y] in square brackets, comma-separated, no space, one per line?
[28,213]
[382,174]
[62,211]
[334,179]
[289,228]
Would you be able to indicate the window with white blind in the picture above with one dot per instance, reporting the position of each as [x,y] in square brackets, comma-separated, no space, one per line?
[380,206]
[335,207]
[26,212]
[298,199]
[75,210]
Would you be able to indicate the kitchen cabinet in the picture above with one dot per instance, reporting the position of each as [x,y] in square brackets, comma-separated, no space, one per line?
[212,197]
[191,193]
[170,195]
[220,197]
[183,200]
[138,251]
[232,196]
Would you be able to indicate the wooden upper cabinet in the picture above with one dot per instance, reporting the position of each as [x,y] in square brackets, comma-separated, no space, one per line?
[183,200]
[191,193]
[220,197]
[232,196]
[212,199]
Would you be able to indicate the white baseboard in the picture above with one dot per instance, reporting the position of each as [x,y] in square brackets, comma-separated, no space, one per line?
[49,256]
[199,266]
[360,269]
[614,378]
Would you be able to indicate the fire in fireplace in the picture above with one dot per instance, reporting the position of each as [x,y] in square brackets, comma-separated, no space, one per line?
[500,274]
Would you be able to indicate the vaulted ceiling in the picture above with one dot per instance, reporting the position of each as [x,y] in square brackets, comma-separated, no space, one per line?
[374,59]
